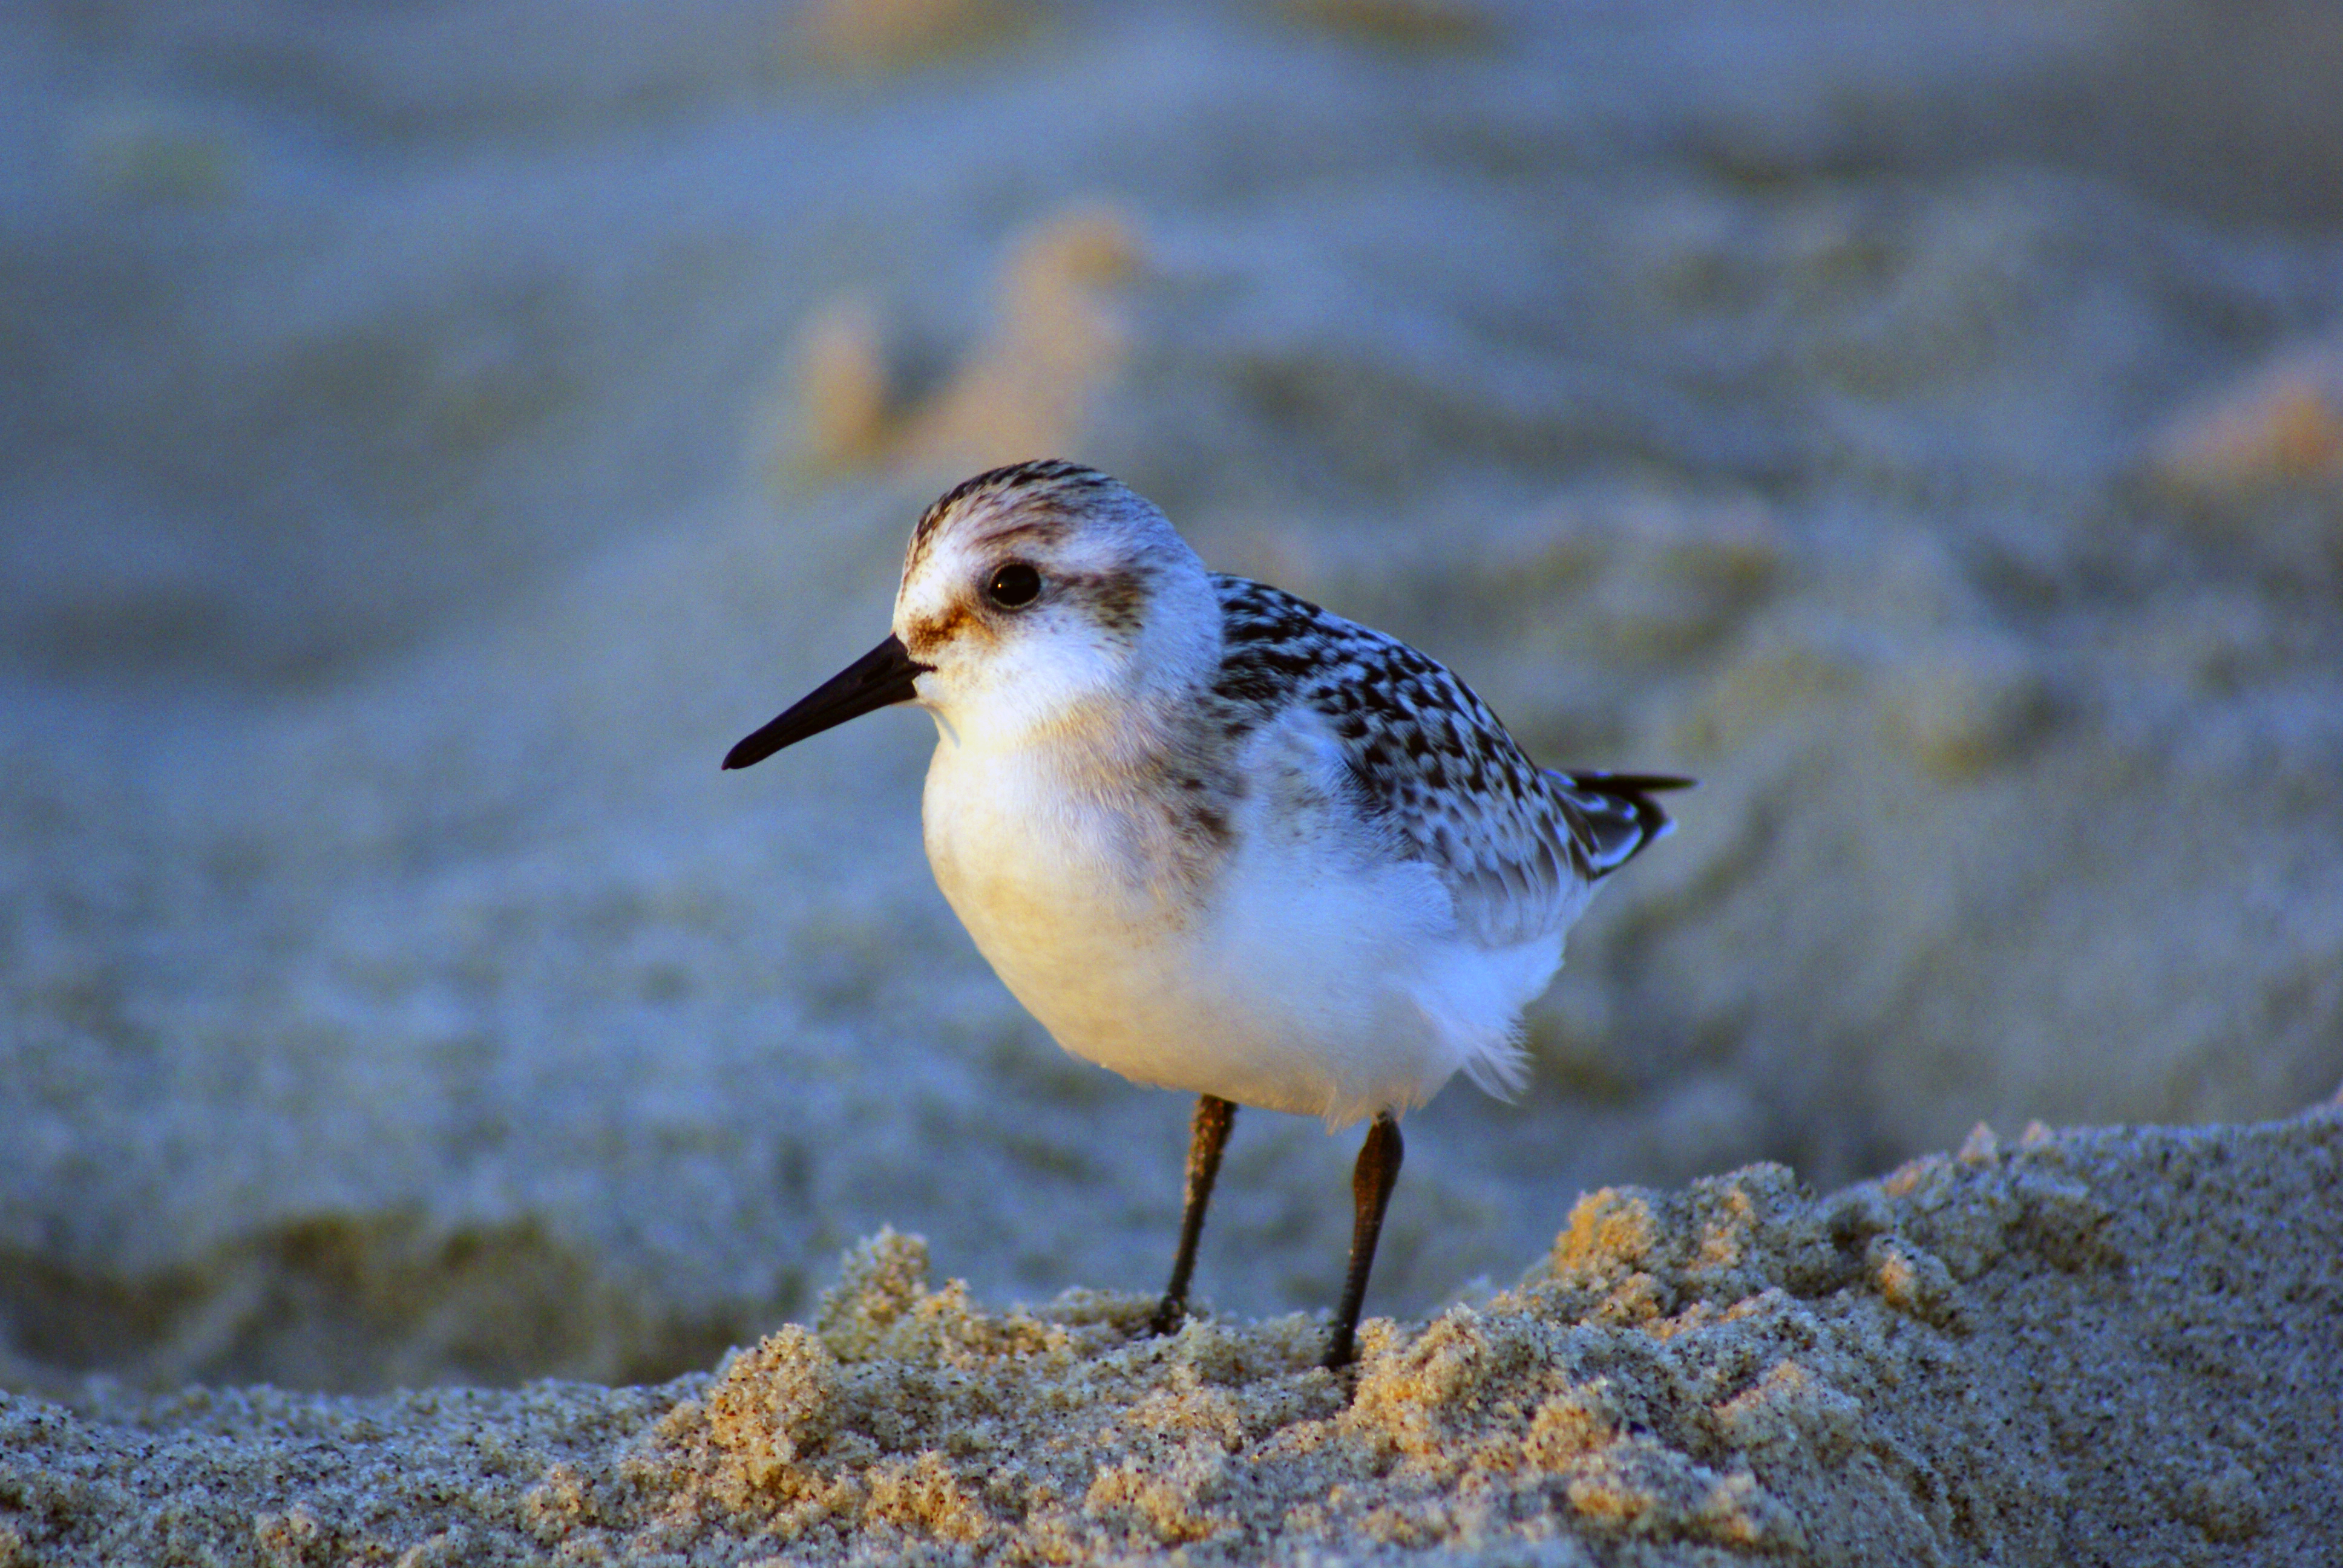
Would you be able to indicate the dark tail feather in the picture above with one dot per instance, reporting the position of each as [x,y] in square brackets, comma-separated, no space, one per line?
[1603,783]
[1620,811]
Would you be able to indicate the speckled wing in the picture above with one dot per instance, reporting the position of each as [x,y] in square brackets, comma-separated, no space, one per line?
[1519,849]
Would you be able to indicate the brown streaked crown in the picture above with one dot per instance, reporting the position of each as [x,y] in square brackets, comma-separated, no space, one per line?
[1046,493]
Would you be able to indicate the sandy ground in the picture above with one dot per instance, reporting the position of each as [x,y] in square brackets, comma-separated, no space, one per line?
[430,435]
[2114,1347]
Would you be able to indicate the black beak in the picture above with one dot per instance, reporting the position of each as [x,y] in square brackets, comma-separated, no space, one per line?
[880,678]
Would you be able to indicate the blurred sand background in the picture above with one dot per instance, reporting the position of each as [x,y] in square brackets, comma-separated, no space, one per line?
[433,434]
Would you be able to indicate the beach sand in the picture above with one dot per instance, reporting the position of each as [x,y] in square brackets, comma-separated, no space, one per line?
[2116,1346]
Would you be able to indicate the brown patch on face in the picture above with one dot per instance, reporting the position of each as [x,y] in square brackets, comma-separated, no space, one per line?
[1116,600]
[923,636]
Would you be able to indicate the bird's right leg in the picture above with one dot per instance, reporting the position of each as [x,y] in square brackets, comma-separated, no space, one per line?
[1371,1179]
[1207,1134]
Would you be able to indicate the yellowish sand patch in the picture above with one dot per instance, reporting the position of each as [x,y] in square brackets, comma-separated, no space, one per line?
[2111,1346]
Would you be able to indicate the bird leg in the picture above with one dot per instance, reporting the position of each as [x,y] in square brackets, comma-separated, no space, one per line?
[1207,1135]
[1371,1189]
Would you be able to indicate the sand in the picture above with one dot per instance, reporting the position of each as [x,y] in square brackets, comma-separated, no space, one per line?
[2109,1347]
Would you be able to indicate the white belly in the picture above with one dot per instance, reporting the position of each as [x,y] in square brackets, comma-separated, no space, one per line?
[1298,977]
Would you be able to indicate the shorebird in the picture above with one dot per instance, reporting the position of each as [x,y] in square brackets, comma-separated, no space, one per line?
[1216,838]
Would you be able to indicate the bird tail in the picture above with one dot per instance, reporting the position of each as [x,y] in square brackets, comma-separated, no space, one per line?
[1619,808]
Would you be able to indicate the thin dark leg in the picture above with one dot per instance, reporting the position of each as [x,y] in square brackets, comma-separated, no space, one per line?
[1371,1181]
[1207,1135]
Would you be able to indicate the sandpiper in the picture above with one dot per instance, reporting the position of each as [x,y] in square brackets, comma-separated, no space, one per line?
[1216,838]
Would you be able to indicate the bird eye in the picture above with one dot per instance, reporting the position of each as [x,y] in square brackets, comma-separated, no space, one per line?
[1014,586]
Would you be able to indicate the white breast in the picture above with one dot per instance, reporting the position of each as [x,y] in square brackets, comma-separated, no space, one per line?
[1304,974]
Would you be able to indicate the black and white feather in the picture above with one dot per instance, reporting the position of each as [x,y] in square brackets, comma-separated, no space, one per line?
[1518,847]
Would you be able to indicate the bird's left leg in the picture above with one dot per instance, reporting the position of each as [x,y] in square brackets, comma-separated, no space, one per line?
[1371,1189]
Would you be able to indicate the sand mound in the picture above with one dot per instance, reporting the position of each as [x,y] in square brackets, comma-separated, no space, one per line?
[2088,1347]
